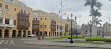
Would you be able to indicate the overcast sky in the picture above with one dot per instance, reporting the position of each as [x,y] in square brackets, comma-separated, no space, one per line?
[71,6]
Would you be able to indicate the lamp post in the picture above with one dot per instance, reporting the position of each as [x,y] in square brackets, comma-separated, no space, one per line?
[71,41]
[103,32]
[76,26]
[43,31]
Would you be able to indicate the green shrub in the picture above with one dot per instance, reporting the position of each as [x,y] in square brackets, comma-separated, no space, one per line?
[72,36]
[98,39]
[107,35]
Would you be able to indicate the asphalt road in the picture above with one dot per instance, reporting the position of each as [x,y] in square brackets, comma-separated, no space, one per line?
[40,47]
[18,45]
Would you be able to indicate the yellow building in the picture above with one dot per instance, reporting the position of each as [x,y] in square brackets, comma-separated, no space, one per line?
[50,24]
[18,20]
[12,12]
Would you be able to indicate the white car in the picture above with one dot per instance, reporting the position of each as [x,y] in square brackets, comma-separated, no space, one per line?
[32,35]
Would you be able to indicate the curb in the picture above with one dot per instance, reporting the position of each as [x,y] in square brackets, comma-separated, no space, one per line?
[67,46]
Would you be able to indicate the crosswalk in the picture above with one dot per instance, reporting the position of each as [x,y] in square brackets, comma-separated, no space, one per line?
[6,42]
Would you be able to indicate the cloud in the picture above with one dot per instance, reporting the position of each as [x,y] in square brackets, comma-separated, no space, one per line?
[71,6]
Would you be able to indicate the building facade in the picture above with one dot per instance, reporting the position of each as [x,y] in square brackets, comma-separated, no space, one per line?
[19,20]
[101,30]
[50,24]
[14,19]
[85,29]
[107,28]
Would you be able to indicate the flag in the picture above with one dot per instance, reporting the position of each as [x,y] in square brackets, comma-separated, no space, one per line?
[59,12]
[65,13]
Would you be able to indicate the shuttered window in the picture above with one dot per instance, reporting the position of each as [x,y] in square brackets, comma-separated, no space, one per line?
[0,20]
[0,4]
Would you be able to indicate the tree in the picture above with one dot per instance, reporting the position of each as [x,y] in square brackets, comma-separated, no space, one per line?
[93,3]
[98,22]
[94,13]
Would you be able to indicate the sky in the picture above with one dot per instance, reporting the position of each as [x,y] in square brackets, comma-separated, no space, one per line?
[76,7]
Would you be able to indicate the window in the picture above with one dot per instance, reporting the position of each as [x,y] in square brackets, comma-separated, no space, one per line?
[49,33]
[0,4]
[0,20]
[45,18]
[45,26]
[53,33]
[6,21]
[57,33]
[36,18]
[60,27]
[40,26]
[14,9]
[6,6]
[14,22]
[86,30]
[41,18]
[57,27]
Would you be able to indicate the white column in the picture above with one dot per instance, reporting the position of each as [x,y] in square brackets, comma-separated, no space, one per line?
[3,20]
[94,27]
[11,23]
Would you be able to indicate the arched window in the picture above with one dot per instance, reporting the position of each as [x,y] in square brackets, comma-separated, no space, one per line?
[6,6]
[36,18]
[45,18]
[41,18]
[49,33]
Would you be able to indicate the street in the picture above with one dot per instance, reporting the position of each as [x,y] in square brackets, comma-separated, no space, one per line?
[40,47]
[16,43]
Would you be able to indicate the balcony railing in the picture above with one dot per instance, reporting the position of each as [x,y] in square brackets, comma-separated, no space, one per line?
[6,25]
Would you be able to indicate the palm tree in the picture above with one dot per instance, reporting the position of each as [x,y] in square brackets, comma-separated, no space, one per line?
[92,4]
[98,22]
[94,13]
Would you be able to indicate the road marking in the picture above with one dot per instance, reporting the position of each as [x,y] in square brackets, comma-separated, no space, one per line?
[11,41]
[2,41]
[6,42]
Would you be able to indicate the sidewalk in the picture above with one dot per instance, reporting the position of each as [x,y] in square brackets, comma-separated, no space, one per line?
[51,43]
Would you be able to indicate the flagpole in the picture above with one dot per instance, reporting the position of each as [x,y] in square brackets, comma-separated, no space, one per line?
[61,16]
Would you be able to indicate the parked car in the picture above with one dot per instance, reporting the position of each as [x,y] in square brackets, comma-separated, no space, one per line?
[32,35]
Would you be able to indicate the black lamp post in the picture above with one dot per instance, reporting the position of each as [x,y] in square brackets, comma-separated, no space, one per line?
[103,32]
[71,41]
[76,26]
[43,31]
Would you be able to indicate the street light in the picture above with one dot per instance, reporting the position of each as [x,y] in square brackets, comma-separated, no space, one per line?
[43,31]
[71,41]
[103,32]
[76,26]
